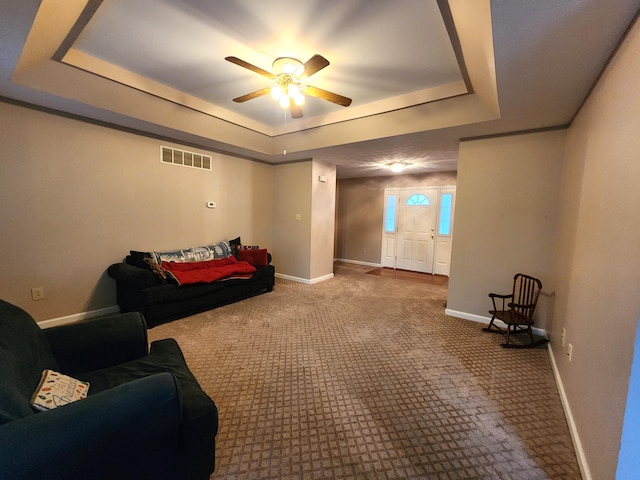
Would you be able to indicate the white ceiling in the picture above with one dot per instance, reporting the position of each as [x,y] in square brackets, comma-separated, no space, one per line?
[182,44]
[157,66]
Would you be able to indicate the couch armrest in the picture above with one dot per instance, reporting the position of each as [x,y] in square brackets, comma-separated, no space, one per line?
[99,342]
[131,276]
[130,431]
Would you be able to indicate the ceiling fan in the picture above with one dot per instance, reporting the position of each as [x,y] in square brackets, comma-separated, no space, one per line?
[289,75]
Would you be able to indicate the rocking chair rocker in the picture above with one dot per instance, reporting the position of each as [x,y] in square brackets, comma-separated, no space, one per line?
[516,311]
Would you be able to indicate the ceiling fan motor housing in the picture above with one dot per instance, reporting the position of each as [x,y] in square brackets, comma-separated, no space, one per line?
[287,66]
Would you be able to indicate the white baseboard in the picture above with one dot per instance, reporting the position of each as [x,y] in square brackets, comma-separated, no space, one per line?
[76,317]
[306,281]
[577,444]
[467,316]
[358,262]
[480,319]
[321,279]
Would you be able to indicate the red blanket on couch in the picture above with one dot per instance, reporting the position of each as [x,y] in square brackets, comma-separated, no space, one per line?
[208,271]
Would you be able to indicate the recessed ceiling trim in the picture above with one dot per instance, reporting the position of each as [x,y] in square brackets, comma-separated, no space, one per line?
[380,107]
[95,66]
[85,17]
[450,25]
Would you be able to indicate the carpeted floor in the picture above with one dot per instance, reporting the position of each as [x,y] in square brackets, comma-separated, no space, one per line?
[365,377]
[440,280]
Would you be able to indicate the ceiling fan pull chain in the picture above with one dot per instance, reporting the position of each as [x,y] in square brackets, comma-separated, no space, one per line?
[284,137]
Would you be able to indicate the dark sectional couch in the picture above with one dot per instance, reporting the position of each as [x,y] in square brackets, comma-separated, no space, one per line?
[139,289]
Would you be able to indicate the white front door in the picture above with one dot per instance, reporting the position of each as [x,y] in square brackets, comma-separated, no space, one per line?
[416,230]
[410,238]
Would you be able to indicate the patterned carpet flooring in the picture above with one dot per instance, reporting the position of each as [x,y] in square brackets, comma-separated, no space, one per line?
[365,377]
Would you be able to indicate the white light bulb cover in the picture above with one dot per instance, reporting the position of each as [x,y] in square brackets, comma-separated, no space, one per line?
[276,92]
[284,101]
[298,98]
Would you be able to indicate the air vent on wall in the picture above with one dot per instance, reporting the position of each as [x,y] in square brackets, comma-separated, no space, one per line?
[184,158]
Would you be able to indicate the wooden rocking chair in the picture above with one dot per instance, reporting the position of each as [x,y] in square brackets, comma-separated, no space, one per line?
[516,310]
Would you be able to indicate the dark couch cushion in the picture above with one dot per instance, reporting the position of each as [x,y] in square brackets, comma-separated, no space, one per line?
[199,414]
[171,292]
[24,354]
[164,356]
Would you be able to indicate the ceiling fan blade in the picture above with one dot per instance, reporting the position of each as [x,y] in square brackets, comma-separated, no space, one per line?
[315,64]
[248,66]
[296,111]
[329,96]
[252,95]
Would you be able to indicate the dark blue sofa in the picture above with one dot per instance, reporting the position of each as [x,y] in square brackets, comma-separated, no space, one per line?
[145,417]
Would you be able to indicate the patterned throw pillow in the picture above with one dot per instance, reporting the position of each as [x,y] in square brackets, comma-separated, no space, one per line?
[235,244]
[194,254]
[157,269]
[56,389]
[137,259]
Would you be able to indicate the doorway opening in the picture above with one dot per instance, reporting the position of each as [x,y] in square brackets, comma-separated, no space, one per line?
[418,229]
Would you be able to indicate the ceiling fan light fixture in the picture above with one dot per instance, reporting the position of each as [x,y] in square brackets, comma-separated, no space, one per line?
[284,101]
[290,75]
[298,99]
[276,92]
[294,92]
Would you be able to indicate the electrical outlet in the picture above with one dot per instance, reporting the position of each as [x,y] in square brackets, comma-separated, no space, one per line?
[569,351]
[562,337]
[37,293]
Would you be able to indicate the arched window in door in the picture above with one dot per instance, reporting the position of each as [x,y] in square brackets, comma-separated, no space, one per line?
[418,199]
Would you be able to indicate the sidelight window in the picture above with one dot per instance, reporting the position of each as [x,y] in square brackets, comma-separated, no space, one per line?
[390,214]
[444,226]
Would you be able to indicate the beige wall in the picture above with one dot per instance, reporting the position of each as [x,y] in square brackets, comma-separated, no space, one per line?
[597,264]
[291,237]
[77,197]
[505,218]
[323,214]
[360,208]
